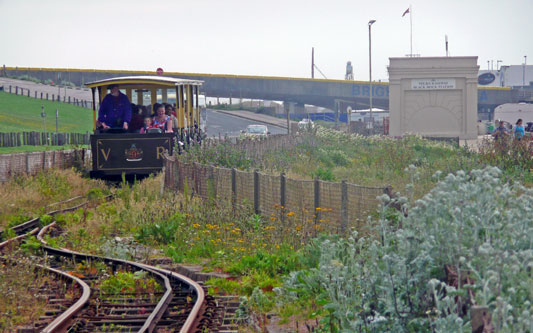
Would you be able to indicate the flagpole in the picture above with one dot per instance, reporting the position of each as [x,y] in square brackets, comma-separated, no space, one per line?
[411,20]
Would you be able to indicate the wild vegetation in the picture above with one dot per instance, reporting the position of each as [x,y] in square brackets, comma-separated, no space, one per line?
[472,224]
[17,288]
[25,196]
[467,217]
[375,161]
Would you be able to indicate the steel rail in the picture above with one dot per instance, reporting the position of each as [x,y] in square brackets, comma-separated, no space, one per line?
[19,228]
[60,324]
[65,201]
[11,240]
[161,306]
[190,323]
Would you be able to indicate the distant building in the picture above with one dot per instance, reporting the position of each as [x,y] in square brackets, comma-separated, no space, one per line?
[507,76]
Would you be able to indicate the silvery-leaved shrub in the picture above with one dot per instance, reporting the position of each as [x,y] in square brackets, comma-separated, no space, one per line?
[473,222]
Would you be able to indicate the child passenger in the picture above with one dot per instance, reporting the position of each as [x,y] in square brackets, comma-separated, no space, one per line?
[147,125]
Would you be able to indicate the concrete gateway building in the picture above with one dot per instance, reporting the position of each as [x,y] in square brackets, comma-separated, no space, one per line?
[433,96]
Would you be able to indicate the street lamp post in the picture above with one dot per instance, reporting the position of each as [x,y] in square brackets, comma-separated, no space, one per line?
[524,72]
[370,71]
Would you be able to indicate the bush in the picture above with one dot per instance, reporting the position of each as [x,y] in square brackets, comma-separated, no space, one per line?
[67,83]
[324,174]
[474,223]
[29,78]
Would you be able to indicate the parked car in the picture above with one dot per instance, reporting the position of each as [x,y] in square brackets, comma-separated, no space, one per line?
[306,123]
[255,130]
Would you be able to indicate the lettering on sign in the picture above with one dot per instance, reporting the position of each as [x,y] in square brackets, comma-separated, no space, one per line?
[364,90]
[160,151]
[106,154]
[432,84]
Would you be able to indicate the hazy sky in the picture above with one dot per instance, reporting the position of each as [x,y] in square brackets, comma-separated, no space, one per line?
[272,38]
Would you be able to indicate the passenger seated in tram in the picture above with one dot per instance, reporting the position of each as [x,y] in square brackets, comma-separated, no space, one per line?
[115,110]
[147,125]
[136,119]
[173,119]
[154,109]
[161,120]
[169,108]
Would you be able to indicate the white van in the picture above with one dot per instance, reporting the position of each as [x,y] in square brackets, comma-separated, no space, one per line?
[511,112]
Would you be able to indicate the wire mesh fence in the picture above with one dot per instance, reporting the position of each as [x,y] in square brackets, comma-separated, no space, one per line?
[335,206]
[13,164]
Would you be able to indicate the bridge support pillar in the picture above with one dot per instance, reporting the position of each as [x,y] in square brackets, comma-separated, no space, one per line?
[289,108]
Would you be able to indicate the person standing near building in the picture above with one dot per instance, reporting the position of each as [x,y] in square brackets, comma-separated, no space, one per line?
[115,110]
[500,132]
[519,130]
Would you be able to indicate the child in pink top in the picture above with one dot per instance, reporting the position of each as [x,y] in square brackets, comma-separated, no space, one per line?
[147,124]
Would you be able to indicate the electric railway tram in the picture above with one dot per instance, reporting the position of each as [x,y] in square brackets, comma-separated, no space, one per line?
[116,151]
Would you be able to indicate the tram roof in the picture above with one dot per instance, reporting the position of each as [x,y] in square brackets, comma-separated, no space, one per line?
[136,81]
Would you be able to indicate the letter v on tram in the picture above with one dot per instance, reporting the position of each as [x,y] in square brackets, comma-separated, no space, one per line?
[118,147]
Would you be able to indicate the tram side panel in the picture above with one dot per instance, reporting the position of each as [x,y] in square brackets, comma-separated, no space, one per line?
[132,154]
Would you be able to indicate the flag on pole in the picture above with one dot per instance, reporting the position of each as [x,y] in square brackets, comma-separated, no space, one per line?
[406,12]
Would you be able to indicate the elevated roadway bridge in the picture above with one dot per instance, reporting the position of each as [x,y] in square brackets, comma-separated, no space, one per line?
[332,94]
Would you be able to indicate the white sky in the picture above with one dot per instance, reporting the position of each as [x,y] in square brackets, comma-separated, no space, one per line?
[251,37]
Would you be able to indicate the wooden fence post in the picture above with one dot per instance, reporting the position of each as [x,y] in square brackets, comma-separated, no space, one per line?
[41,95]
[35,93]
[27,163]
[233,187]
[481,319]
[69,100]
[317,199]
[282,190]
[344,206]
[16,90]
[211,188]
[28,93]
[256,192]
[282,195]
[10,89]
[46,96]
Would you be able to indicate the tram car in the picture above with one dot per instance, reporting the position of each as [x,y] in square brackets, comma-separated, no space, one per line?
[119,151]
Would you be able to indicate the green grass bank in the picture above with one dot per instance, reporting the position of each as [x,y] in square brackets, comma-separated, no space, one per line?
[21,114]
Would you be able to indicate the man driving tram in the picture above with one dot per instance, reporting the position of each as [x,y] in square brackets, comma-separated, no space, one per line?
[115,110]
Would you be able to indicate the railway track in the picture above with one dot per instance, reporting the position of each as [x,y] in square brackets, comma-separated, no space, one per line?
[31,227]
[179,308]
[178,304]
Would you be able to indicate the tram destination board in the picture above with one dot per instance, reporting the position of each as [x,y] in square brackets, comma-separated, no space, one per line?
[114,154]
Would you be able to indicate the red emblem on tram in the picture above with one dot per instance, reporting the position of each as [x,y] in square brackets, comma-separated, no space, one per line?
[133,154]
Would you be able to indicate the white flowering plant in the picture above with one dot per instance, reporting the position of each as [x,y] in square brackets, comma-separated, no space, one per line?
[475,223]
